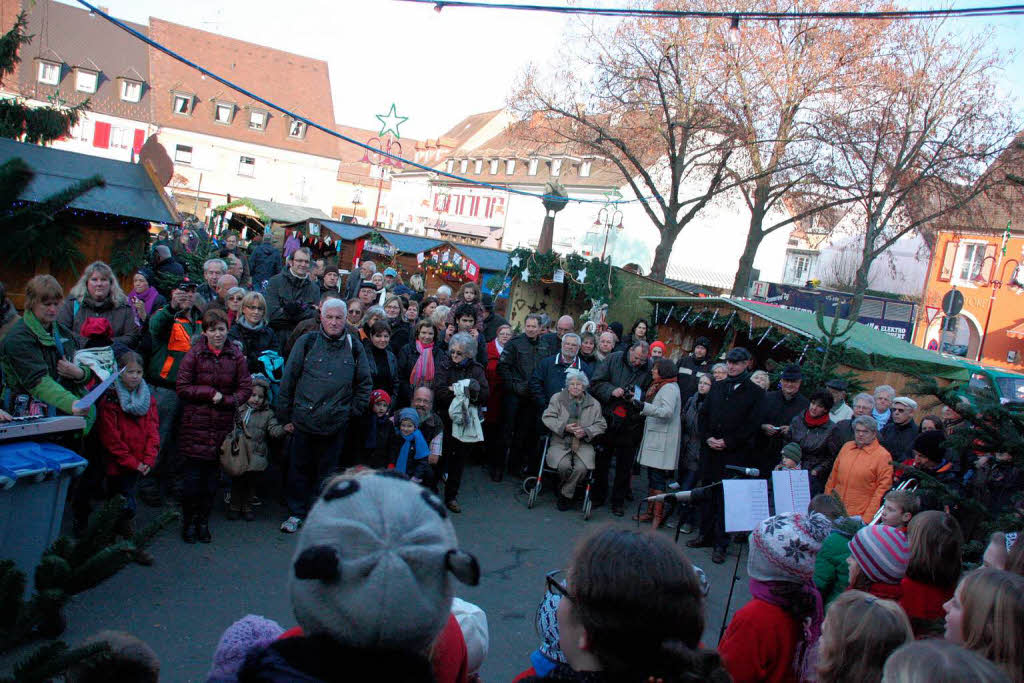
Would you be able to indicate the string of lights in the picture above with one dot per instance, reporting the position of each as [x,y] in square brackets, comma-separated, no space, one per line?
[993,11]
[329,131]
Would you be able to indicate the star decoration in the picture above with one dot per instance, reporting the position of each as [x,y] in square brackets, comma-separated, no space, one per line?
[526,274]
[390,122]
[612,196]
[514,261]
[582,275]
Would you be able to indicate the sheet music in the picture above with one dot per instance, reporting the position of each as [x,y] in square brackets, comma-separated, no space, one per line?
[791,490]
[94,395]
[746,503]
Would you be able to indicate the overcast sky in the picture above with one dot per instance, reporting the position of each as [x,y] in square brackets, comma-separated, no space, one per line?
[437,68]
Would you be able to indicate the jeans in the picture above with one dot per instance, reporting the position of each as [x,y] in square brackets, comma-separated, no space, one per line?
[124,484]
[453,464]
[658,480]
[313,458]
[624,456]
[519,433]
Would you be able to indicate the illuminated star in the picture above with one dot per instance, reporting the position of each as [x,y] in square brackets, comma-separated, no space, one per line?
[582,275]
[612,196]
[515,261]
[390,122]
[526,275]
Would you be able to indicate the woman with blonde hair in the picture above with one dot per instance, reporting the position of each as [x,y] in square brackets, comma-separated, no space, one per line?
[859,633]
[97,294]
[986,614]
[939,661]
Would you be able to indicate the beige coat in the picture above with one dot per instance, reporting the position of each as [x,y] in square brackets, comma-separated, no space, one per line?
[662,429]
[556,417]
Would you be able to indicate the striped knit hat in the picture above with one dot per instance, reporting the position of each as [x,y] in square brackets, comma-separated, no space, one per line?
[882,553]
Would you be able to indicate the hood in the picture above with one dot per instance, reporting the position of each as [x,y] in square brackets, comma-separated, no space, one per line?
[315,659]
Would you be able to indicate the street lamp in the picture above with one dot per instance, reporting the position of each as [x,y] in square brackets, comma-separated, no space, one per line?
[608,218]
[995,285]
[357,199]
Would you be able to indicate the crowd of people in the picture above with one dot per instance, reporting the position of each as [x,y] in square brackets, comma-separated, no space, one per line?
[279,362]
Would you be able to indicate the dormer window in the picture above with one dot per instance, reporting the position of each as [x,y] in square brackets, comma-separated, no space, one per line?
[450,166]
[297,130]
[532,168]
[183,104]
[86,81]
[49,73]
[478,166]
[556,167]
[224,112]
[463,166]
[510,166]
[131,91]
[585,169]
[258,119]
[494,167]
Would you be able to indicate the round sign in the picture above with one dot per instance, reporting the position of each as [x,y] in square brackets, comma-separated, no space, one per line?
[953,302]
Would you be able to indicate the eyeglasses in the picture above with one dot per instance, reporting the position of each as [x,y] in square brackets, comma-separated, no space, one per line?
[252,307]
[555,583]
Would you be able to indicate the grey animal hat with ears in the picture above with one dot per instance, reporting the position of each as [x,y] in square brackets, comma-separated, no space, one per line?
[372,565]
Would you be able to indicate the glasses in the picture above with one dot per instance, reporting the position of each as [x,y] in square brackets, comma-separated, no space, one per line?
[252,307]
[555,583]
[899,409]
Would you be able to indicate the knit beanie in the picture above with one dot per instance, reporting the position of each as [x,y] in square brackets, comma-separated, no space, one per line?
[249,633]
[661,345]
[783,547]
[379,396]
[792,451]
[371,566]
[882,553]
[929,444]
[408,414]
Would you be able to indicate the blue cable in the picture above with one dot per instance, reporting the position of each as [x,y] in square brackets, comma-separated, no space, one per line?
[370,148]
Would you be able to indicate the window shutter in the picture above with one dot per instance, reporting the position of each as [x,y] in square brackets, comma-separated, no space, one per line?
[948,261]
[101,135]
[989,264]
[140,138]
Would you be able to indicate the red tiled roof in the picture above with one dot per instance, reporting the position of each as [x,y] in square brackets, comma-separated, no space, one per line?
[299,83]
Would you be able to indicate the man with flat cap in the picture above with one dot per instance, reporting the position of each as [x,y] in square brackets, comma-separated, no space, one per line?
[778,408]
[841,410]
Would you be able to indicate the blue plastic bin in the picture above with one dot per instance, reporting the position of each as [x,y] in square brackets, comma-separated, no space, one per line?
[34,480]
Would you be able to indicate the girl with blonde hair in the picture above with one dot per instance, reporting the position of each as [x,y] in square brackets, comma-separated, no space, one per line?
[986,614]
[939,661]
[859,633]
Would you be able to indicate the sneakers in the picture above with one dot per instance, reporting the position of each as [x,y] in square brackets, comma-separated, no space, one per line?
[291,525]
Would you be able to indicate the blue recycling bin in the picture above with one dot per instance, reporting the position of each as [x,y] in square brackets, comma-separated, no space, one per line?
[34,480]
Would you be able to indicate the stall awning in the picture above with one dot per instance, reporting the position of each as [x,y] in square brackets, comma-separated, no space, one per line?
[1016,332]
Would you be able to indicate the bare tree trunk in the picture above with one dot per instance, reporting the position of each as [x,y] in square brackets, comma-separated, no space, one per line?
[746,263]
[664,249]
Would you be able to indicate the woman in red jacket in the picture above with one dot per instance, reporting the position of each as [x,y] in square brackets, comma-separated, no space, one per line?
[212,382]
[128,423]
[773,637]
[492,418]
[936,544]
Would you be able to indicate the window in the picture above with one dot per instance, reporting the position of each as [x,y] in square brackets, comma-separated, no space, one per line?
[450,165]
[131,91]
[556,167]
[478,166]
[183,154]
[510,166]
[246,166]
[120,137]
[257,120]
[971,258]
[85,81]
[798,268]
[224,113]
[585,169]
[297,129]
[49,73]
[463,165]
[494,167]
[532,168]
[183,105]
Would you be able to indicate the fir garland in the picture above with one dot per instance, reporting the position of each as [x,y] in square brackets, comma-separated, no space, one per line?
[129,253]
[600,282]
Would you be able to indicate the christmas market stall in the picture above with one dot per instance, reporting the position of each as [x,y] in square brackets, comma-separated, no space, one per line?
[109,221]
[246,215]
[776,336]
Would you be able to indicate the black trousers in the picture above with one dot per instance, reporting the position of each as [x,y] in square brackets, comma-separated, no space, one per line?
[313,458]
[624,455]
[199,485]
[519,433]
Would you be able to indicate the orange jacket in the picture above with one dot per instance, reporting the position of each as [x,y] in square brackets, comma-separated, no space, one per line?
[862,476]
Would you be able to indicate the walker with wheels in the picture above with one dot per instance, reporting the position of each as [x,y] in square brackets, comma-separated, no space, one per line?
[532,485]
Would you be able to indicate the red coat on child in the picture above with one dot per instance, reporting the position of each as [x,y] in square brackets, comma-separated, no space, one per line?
[128,439]
[759,644]
[923,604]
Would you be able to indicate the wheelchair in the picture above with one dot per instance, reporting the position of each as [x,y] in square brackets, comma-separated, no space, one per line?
[532,485]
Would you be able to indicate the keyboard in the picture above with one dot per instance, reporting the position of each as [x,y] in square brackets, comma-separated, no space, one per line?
[30,427]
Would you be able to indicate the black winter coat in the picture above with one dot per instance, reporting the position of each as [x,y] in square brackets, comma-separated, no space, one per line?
[447,374]
[813,443]
[383,369]
[254,342]
[202,374]
[777,411]
[549,378]
[899,439]
[689,369]
[290,300]
[264,263]
[318,659]
[491,325]
[730,413]
[842,432]
[518,360]
[621,414]
[325,382]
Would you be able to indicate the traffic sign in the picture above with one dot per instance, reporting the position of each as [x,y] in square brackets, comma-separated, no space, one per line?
[931,312]
[953,302]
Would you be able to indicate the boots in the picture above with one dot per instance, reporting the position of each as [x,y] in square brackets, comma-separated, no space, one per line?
[188,521]
[659,513]
[203,524]
[648,515]
[126,529]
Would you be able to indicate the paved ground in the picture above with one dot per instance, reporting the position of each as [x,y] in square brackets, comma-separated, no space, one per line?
[183,603]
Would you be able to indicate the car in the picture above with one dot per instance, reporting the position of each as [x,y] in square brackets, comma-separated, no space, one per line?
[1007,386]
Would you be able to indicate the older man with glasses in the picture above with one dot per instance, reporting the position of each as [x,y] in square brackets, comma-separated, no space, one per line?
[899,433]
[292,296]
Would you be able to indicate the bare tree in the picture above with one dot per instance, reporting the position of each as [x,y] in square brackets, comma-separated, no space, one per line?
[921,142]
[643,94]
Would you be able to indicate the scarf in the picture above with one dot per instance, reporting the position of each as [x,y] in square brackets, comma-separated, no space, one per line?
[815,421]
[245,323]
[133,402]
[423,371]
[658,384]
[148,298]
[44,336]
[413,440]
[803,658]
[881,418]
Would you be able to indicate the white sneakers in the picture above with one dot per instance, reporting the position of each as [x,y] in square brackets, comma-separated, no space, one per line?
[291,525]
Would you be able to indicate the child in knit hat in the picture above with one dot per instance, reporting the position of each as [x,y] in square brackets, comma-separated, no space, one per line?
[409,450]
[790,457]
[878,560]
[773,636]
[369,585]
[380,431]
[248,634]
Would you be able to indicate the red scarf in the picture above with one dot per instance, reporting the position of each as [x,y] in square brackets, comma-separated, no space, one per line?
[815,421]
[656,385]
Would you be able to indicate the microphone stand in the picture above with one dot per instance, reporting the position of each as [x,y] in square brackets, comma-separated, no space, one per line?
[732,586]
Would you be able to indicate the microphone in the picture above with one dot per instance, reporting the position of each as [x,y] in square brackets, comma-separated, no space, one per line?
[683,496]
[746,471]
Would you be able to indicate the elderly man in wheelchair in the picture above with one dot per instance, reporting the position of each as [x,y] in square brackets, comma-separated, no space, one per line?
[574,418]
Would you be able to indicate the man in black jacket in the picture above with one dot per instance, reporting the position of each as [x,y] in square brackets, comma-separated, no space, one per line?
[292,296]
[492,321]
[900,431]
[515,367]
[616,383]
[778,408]
[690,367]
[264,261]
[728,420]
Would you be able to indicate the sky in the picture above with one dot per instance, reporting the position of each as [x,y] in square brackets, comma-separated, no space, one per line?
[437,68]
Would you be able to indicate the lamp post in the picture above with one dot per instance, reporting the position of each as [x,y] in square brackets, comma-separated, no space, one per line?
[357,199]
[555,199]
[608,218]
[387,140]
[995,285]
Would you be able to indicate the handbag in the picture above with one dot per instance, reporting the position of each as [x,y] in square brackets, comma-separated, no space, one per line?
[234,453]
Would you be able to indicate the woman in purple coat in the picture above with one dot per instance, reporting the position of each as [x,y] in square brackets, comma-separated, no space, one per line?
[212,381]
